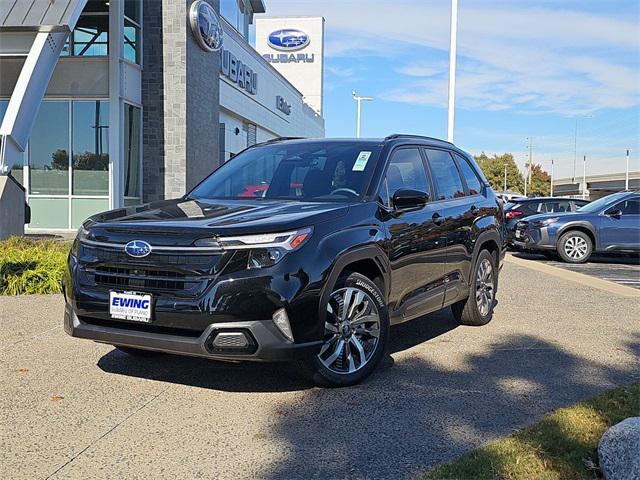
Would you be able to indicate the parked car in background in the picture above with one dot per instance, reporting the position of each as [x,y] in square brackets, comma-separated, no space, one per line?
[379,232]
[609,224]
[509,196]
[521,208]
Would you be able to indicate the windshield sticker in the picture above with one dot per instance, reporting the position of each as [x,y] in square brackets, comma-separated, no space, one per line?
[361,162]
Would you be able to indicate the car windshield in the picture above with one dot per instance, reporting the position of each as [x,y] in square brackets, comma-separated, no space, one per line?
[601,203]
[308,171]
[509,206]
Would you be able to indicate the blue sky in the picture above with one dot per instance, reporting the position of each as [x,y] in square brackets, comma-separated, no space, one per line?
[525,69]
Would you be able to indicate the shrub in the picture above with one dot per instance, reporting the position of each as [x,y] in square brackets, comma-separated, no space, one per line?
[31,266]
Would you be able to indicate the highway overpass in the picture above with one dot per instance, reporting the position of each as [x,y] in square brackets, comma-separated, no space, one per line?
[597,185]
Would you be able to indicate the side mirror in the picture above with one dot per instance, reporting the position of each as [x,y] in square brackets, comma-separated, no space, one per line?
[614,213]
[406,199]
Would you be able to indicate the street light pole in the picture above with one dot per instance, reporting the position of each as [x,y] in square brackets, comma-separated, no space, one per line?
[453,46]
[575,145]
[626,173]
[584,177]
[551,191]
[359,100]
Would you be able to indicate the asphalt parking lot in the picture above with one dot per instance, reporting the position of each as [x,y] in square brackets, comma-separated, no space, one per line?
[621,269]
[76,409]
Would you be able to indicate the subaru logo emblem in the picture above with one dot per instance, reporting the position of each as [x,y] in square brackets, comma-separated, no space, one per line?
[205,26]
[137,248]
[288,39]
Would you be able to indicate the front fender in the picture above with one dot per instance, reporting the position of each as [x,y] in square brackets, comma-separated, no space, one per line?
[348,246]
[577,224]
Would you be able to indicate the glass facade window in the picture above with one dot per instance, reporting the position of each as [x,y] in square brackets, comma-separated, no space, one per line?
[132,46]
[90,38]
[91,148]
[49,150]
[131,178]
[237,14]
[17,169]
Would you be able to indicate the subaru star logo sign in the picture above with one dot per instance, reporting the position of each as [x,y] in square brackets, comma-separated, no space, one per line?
[137,248]
[205,26]
[288,39]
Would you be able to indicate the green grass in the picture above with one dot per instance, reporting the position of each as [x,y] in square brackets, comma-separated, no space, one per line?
[31,266]
[561,446]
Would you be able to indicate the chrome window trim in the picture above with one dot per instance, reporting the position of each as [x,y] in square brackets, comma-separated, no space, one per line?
[155,248]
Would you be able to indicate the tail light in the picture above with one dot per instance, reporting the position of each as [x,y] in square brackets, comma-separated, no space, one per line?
[512,214]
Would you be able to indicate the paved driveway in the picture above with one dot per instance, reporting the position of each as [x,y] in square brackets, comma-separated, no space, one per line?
[621,269]
[75,409]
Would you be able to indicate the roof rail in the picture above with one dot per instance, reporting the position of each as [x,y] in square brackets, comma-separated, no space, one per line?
[274,140]
[408,135]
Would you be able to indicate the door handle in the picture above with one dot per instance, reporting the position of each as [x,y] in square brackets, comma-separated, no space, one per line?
[437,218]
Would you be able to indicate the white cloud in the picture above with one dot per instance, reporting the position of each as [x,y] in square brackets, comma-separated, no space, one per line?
[512,55]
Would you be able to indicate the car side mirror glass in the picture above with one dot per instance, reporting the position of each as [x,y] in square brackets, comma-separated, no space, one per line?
[407,198]
[615,213]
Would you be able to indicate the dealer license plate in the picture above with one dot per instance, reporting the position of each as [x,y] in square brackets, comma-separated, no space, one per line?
[130,306]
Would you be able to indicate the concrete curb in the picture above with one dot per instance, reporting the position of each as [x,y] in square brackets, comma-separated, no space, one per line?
[580,278]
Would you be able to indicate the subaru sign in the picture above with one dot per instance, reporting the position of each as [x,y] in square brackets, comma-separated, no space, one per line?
[288,39]
[205,26]
[137,248]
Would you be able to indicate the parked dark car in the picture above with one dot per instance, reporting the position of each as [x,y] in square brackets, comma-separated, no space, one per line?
[609,224]
[381,232]
[519,209]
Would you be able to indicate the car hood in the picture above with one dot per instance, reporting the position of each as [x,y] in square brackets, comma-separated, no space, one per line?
[224,217]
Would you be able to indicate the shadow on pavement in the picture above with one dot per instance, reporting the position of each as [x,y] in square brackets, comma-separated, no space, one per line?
[255,376]
[405,420]
[409,415]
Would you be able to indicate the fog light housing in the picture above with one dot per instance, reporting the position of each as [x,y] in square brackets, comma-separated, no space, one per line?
[281,320]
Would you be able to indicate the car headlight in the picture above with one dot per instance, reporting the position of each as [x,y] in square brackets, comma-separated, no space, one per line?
[266,249]
[83,234]
[547,221]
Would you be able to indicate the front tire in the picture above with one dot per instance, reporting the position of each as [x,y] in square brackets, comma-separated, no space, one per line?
[477,308]
[575,247]
[356,334]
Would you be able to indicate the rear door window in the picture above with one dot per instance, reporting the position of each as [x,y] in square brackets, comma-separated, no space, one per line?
[469,175]
[555,206]
[445,174]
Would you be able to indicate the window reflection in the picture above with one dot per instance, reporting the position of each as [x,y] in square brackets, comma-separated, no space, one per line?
[131,155]
[90,38]
[91,147]
[49,150]
[235,12]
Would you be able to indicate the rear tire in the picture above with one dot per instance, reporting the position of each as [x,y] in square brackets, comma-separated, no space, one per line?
[575,247]
[138,352]
[477,308]
[356,334]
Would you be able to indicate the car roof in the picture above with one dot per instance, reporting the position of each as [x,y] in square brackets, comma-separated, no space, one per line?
[547,199]
[394,138]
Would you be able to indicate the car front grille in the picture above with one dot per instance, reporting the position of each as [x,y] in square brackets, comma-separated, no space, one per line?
[180,275]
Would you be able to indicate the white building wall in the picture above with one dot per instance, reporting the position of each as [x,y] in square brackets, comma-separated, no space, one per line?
[239,106]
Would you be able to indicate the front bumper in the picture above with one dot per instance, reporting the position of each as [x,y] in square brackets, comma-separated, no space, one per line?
[269,343]
[533,238]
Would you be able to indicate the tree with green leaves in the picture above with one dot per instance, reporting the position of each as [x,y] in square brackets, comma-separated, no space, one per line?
[493,169]
[540,185]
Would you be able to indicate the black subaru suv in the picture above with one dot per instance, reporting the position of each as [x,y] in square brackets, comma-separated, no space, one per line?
[304,250]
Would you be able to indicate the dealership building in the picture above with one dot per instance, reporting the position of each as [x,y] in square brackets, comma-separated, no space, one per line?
[145,97]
